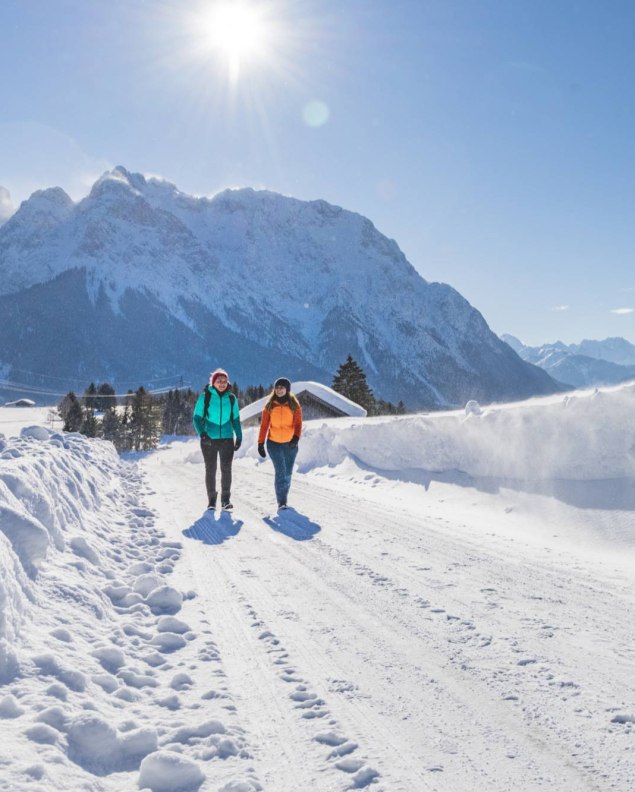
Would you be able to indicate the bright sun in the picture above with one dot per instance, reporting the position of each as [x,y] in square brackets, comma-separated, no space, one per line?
[238,30]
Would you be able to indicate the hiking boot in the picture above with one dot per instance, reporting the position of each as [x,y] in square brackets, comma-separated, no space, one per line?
[212,504]
[227,506]
[282,505]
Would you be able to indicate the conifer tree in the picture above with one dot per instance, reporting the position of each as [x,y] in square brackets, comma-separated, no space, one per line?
[170,405]
[350,381]
[126,420]
[105,397]
[177,408]
[64,406]
[71,411]
[111,427]
[145,421]
[90,397]
[90,426]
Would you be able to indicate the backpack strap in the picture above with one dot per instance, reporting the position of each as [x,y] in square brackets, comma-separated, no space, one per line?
[208,397]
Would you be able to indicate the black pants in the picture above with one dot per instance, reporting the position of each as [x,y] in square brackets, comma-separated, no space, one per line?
[212,450]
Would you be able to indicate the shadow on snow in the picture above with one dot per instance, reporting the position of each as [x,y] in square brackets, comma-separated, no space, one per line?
[293,524]
[607,494]
[212,529]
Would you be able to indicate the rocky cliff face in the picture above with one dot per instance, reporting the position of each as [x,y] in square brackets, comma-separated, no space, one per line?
[140,281]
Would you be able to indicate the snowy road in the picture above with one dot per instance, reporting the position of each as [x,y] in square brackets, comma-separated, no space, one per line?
[406,648]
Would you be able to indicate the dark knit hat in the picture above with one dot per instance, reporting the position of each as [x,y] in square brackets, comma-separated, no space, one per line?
[218,373]
[284,382]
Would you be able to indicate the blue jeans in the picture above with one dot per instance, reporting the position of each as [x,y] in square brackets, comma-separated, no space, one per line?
[283,457]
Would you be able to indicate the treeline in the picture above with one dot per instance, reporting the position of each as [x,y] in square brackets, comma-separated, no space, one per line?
[133,422]
[136,421]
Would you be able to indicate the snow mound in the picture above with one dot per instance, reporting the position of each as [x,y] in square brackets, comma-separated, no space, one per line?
[100,748]
[166,771]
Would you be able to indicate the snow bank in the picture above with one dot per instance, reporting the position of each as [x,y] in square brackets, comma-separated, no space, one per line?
[93,638]
[586,437]
[49,484]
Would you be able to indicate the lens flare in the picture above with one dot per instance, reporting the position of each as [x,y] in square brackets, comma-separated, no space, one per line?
[316,113]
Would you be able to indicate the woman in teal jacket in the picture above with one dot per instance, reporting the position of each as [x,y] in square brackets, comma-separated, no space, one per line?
[217,419]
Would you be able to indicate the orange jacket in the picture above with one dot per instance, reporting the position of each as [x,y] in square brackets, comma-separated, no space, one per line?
[280,423]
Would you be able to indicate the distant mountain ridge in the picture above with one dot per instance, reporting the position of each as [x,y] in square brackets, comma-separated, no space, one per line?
[141,280]
[586,364]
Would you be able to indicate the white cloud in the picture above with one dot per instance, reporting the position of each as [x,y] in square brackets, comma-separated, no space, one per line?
[622,311]
[560,308]
[6,207]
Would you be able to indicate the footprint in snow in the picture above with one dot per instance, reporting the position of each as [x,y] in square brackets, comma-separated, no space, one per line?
[364,777]
[343,750]
[623,719]
[331,738]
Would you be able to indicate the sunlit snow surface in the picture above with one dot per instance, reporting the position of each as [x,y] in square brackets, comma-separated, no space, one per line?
[447,606]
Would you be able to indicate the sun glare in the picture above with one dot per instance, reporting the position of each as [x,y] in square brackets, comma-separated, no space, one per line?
[239,31]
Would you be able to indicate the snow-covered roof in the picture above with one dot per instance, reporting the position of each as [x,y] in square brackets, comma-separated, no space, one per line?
[316,389]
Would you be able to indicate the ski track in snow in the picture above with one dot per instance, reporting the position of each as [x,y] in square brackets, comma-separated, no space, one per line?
[372,647]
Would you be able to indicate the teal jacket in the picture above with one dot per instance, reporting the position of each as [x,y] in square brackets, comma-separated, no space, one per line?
[223,416]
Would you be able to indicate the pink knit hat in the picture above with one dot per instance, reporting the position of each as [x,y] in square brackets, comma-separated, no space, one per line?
[218,373]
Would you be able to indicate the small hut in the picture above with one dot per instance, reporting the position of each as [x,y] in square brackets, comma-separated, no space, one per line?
[317,400]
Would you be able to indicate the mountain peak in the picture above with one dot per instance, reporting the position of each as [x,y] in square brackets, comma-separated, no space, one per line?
[118,182]
[51,197]
[45,208]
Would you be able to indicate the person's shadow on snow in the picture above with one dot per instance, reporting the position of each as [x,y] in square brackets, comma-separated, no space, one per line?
[293,524]
[212,529]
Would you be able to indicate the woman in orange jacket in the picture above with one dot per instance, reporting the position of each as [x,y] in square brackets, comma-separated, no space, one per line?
[281,427]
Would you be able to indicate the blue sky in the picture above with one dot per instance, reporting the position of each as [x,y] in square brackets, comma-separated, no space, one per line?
[493,140]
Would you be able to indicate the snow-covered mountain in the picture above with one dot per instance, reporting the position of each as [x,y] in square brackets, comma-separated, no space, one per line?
[140,281]
[588,363]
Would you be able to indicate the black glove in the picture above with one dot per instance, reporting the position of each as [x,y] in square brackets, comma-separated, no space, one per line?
[293,443]
[237,444]
[261,450]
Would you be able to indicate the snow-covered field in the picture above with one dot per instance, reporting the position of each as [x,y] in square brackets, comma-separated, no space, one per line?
[448,606]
